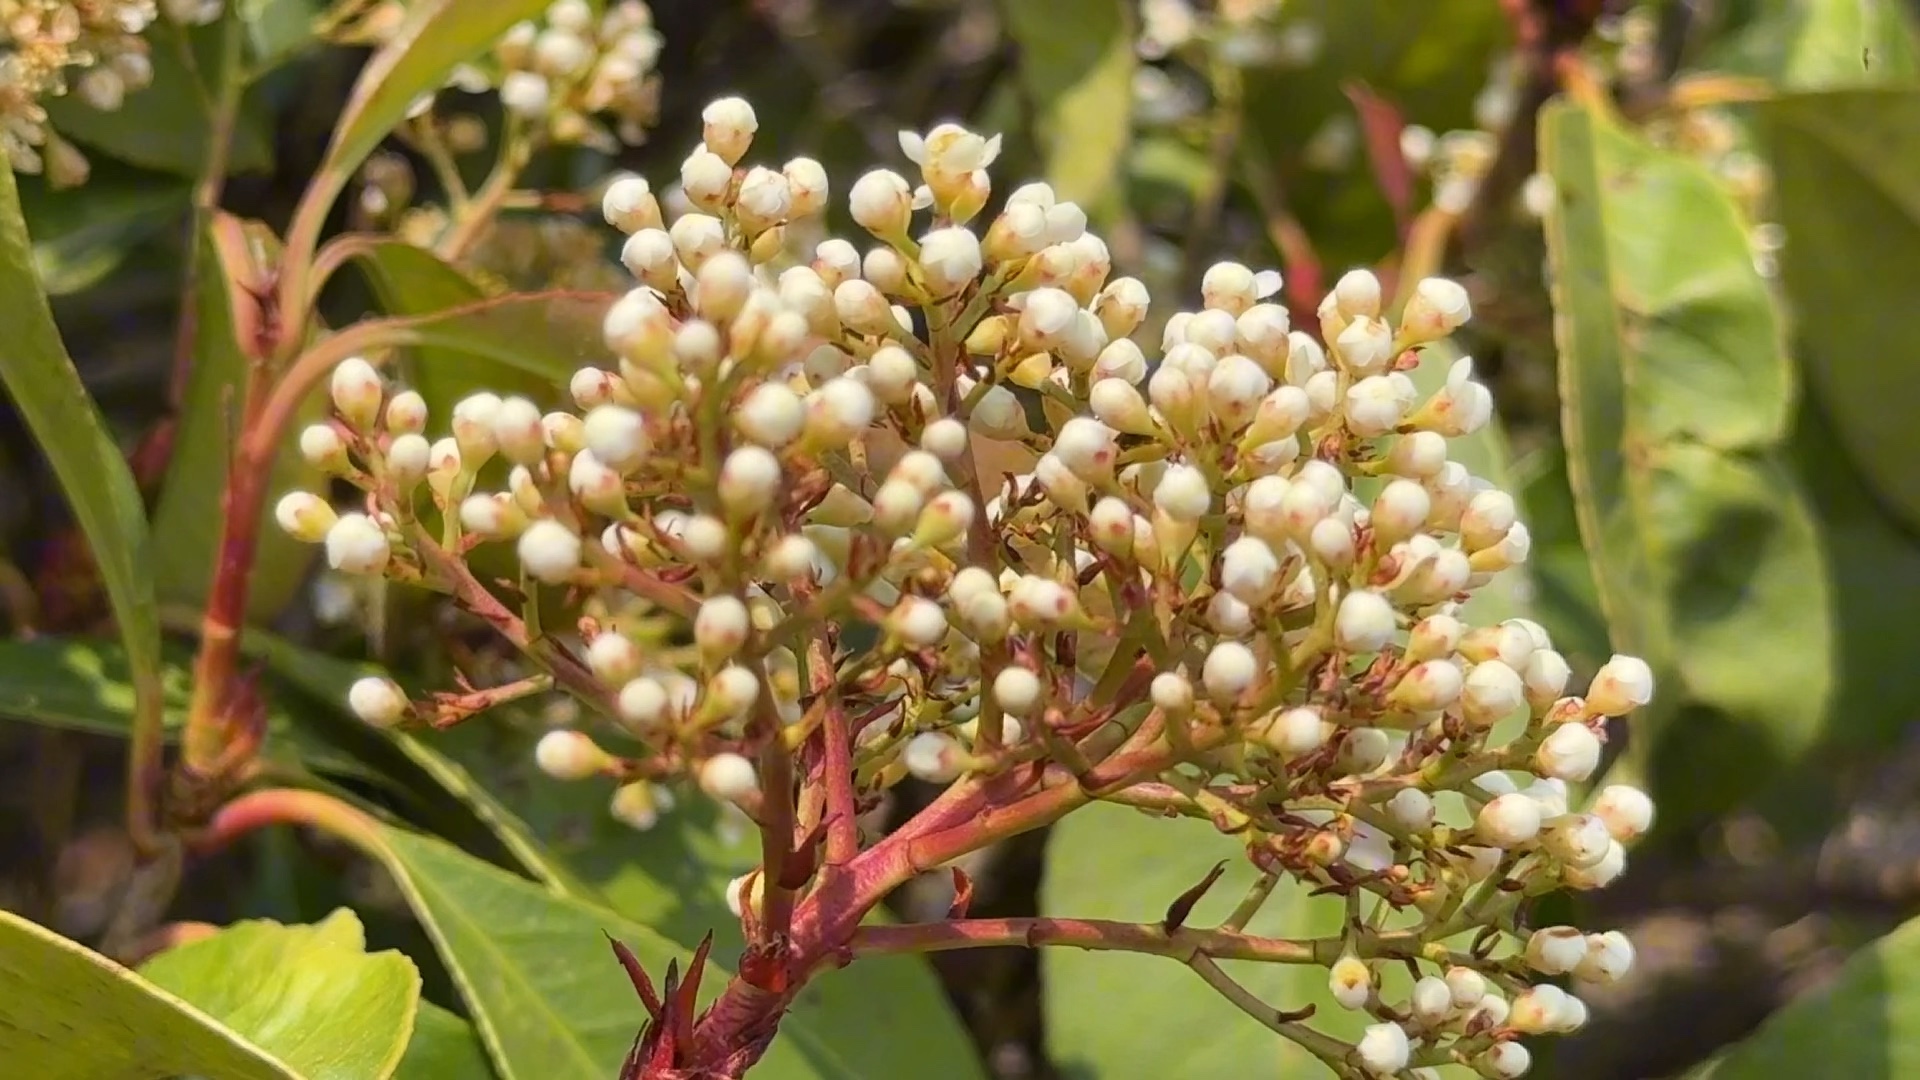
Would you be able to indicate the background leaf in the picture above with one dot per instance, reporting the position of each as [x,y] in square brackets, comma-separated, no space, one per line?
[443,1047]
[311,995]
[1803,44]
[1675,395]
[169,126]
[1078,84]
[79,237]
[70,432]
[86,1016]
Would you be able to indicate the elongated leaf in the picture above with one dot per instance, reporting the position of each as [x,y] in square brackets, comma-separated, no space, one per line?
[187,521]
[1848,181]
[410,281]
[443,1047]
[1113,1015]
[1676,394]
[79,237]
[169,125]
[70,1012]
[70,432]
[550,335]
[1078,84]
[550,1002]
[85,685]
[436,36]
[1866,1024]
[1809,44]
[311,995]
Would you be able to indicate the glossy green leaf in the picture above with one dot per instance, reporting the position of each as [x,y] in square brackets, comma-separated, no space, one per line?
[85,685]
[409,280]
[278,29]
[310,995]
[81,236]
[435,37]
[1565,599]
[1114,1015]
[69,1012]
[549,1000]
[1848,196]
[1865,1025]
[188,518]
[443,1047]
[1676,395]
[69,430]
[1079,85]
[169,126]
[1808,44]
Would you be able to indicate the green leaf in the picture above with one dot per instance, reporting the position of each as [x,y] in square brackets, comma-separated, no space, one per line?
[1116,1015]
[436,36]
[1808,44]
[1676,395]
[188,519]
[443,1047]
[410,280]
[69,430]
[1865,1024]
[81,236]
[1851,209]
[278,29]
[1080,85]
[310,995]
[549,1000]
[169,125]
[85,685]
[70,1012]
[1565,599]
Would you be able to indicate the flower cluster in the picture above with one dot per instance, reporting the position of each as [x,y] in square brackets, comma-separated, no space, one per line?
[574,78]
[929,509]
[49,48]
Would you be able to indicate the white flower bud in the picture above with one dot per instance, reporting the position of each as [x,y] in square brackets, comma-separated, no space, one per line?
[1398,512]
[882,203]
[518,432]
[1623,684]
[1121,359]
[1182,493]
[1430,1000]
[642,703]
[1608,958]
[1365,621]
[550,551]
[1430,686]
[727,128]
[721,626]
[636,805]
[771,415]
[945,438]
[356,393]
[1017,690]
[492,517]
[1119,406]
[1047,317]
[1087,446]
[1296,731]
[697,238]
[1365,347]
[1437,308]
[950,258]
[1171,693]
[305,516]
[569,755]
[1384,1049]
[1229,670]
[1493,692]
[1235,389]
[1350,982]
[1538,1010]
[525,93]
[1579,840]
[947,517]
[473,428]
[1546,673]
[614,658]
[918,621]
[706,178]
[1600,874]
[628,204]
[728,777]
[1571,753]
[1433,637]
[1418,455]
[356,544]
[1556,950]
[406,413]
[765,200]
[1627,811]
[749,480]
[732,691]
[932,756]
[807,183]
[323,448]
[1249,569]
[1228,286]
[1504,1061]
[1462,407]
[1377,404]
[839,411]
[1508,821]
[377,701]
[598,488]
[1331,541]
[1411,808]
[1357,293]
[1305,358]
[1488,516]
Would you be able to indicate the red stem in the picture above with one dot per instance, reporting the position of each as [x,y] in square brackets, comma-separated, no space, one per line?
[1099,934]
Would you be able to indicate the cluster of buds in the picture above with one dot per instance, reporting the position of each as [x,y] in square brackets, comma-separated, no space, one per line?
[49,48]
[576,77]
[1228,581]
